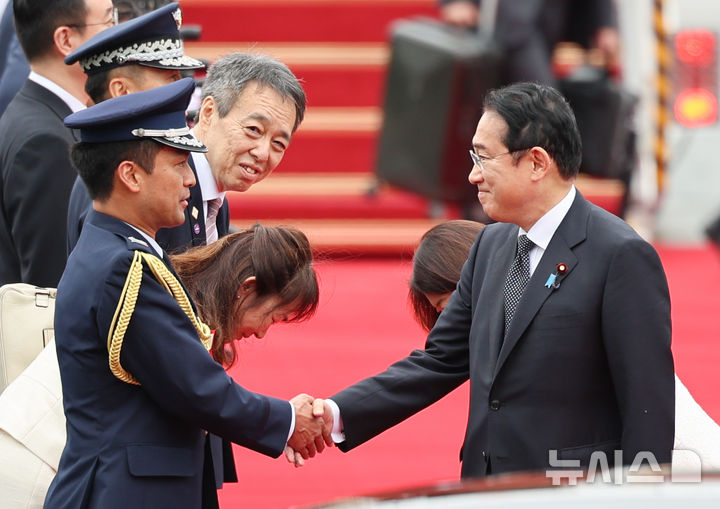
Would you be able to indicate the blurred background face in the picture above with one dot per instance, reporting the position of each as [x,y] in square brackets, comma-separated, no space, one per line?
[246,145]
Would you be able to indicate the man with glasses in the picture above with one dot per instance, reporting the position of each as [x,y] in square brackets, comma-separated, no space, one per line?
[35,171]
[560,320]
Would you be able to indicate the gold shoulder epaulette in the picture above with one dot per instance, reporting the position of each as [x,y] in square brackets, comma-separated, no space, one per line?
[126,307]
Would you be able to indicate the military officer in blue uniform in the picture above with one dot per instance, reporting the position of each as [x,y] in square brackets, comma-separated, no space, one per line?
[141,54]
[137,55]
[139,386]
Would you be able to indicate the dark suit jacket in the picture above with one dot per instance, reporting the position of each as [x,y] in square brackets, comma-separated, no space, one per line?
[141,446]
[173,240]
[585,367]
[571,20]
[35,182]
[528,30]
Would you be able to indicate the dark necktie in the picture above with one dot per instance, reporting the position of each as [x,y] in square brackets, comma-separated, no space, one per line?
[517,278]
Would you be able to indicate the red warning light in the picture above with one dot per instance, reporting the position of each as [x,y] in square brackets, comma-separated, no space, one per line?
[695,47]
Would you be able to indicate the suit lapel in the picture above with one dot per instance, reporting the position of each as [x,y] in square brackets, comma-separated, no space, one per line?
[223,219]
[194,214]
[572,231]
[52,101]
[46,97]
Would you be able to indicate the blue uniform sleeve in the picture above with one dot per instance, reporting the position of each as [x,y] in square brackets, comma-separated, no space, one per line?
[162,351]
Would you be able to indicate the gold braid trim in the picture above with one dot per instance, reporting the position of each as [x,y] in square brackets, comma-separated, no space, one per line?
[126,306]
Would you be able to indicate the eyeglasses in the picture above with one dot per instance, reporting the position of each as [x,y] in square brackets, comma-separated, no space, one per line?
[479,161]
[109,22]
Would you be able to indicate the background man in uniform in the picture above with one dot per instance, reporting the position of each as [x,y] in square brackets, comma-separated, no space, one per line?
[137,407]
[35,171]
[561,317]
[137,55]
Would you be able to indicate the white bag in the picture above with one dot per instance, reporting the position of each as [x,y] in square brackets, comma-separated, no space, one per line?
[26,326]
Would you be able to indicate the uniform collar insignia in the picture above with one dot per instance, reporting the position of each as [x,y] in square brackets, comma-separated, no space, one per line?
[138,241]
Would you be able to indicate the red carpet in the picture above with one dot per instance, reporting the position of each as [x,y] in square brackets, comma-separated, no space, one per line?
[363,325]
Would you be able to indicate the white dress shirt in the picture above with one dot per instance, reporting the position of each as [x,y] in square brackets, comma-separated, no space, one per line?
[73,102]
[206,181]
[541,233]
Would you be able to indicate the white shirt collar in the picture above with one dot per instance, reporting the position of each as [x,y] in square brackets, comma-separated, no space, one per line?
[72,102]
[541,233]
[544,228]
[158,250]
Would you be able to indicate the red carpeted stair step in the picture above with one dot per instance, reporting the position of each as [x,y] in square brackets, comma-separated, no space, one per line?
[312,151]
[333,196]
[300,20]
[333,74]
[341,216]
[339,238]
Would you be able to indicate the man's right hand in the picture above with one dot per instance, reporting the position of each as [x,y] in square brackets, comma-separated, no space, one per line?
[310,435]
[322,413]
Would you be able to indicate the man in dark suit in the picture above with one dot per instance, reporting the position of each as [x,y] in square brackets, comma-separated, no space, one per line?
[35,171]
[566,342]
[251,107]
[528,31]
[137,407]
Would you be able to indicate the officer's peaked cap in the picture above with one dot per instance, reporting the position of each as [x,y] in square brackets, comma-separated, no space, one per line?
[158,114]
[152,40]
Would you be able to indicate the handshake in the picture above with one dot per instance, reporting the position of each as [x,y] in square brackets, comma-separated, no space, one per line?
[313,425]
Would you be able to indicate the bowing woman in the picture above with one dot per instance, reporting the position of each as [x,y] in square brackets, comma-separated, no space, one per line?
[242,285]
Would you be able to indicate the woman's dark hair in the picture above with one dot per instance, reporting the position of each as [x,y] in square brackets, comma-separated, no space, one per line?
[96,162]
[437,264]
[280,258]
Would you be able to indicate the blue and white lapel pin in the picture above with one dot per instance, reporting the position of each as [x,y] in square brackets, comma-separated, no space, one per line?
[552,280]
